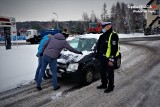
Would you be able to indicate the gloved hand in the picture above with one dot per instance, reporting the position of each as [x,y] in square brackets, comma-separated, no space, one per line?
[81,53]
[110,63]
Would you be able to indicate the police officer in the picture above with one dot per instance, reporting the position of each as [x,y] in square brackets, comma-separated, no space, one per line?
[107,50]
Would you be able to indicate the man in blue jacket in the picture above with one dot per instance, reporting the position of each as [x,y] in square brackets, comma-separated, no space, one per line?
[40,54]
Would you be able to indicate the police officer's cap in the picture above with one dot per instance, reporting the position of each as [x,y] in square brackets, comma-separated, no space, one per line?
[104,24]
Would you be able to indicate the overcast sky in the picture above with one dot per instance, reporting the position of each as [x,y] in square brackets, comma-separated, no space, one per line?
[41,10]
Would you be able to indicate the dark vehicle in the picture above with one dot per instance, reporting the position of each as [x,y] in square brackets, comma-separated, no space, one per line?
[82,68]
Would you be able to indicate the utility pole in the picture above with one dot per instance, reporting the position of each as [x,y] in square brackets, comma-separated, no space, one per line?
[57,18]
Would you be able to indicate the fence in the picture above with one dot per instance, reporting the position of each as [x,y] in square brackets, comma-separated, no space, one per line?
[152,31]
[14,38]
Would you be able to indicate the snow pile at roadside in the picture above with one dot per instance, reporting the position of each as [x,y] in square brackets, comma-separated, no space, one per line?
[135,35]
[17,65]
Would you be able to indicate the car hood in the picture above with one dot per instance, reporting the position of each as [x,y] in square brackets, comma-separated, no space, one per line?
[70,57]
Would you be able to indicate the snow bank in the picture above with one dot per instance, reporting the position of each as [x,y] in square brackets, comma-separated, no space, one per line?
[135,35]
[131,35]
[17,65]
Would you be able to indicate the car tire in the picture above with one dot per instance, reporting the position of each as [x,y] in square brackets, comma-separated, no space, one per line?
[118,63]
[89,76]
[48,73]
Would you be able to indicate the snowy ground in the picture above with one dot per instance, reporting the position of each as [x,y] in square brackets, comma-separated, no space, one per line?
[17,65]
[135,35]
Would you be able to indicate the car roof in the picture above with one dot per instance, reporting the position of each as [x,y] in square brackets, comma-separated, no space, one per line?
[96,36]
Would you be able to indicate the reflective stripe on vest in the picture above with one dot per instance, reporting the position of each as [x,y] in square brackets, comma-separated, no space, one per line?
[108,53]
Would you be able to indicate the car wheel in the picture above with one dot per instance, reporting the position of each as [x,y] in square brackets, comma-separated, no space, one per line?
[48,73]
[118,63]
[89,76]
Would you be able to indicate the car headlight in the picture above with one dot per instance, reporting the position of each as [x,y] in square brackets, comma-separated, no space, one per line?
[73,67]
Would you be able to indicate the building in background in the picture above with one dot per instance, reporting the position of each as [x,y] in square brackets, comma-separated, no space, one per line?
[153,18]
[9,22]
[9,26]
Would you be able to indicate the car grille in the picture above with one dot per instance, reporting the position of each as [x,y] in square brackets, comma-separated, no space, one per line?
[59,65]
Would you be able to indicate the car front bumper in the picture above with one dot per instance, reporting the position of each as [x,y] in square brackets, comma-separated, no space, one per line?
[75,76]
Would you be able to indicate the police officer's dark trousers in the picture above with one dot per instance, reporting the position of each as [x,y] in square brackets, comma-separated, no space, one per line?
[107,73]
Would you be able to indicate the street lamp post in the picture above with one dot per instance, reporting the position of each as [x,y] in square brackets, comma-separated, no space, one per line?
[57,18]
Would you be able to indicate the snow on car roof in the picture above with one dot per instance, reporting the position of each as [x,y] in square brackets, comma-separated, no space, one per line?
[96,36]
[70,38]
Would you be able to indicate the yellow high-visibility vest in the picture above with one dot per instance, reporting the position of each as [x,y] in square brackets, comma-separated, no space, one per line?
[108,53]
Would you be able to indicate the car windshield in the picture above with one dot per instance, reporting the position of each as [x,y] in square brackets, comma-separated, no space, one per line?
[83,44]
[28,32]
[92,25]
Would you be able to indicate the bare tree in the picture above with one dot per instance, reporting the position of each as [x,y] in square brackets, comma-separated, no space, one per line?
[114,17]
[85,17]
[93,17]
[104,14]
[125,20]
[85,21]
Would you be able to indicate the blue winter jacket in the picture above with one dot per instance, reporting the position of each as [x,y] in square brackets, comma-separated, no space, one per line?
[42,42]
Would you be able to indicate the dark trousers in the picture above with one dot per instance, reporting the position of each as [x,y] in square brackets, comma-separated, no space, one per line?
[107,73]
